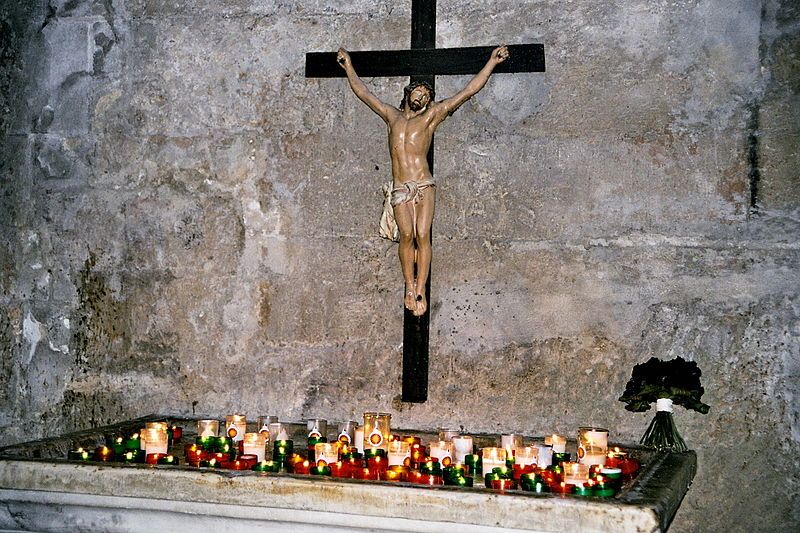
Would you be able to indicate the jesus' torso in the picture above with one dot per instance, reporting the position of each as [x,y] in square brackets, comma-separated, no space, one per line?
[409,142]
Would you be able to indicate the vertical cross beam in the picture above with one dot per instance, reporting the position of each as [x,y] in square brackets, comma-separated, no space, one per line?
[416,330]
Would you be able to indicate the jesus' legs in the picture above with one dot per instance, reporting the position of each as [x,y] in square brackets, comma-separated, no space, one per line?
[404,215]
[425,210]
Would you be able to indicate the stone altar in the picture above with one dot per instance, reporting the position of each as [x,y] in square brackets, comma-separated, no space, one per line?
[41,491]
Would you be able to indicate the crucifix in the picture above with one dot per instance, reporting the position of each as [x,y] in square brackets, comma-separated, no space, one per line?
[423,62]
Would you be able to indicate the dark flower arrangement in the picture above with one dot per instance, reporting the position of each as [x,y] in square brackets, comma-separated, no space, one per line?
[676,381]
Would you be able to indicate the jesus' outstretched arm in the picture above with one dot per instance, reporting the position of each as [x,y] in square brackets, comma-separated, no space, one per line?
[382,109]
[447,107]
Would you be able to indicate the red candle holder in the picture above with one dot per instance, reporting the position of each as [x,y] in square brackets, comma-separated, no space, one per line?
[415,476]
[562,488]
[177,434]
[152,458]
[340,469]
[504,484]
[629,466]
[302,467]
[368,474]
[430,479]
[248,458]
[378,463]
[517,470]
[103,454]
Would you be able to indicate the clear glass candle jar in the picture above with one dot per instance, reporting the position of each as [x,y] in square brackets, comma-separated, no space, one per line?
[377,430]
[207,428]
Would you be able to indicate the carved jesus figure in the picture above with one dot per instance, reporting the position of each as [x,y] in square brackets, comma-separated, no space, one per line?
[411,128]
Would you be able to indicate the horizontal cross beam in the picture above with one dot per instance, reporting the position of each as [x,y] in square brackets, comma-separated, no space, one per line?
[426,62]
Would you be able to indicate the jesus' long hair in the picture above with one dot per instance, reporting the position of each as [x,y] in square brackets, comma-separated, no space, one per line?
[411,86]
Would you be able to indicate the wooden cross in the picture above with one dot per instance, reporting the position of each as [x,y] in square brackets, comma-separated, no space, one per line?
[423,62]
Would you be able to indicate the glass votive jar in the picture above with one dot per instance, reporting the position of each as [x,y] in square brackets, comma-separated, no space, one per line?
[377,430]
[317,429]
[399,453]
[264,422]
[255,444]
[278,431]
[236,427]
[492,458]
[207,428]
[592,445]
[448,433]
[510,442]
[545,457]
[558,442]
[462,446]
[575,473]
[443,451]
[347,433]
[155,441]
[326,453]
[526,455]
[103,454]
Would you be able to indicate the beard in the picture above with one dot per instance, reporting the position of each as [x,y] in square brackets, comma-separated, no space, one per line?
[415,106]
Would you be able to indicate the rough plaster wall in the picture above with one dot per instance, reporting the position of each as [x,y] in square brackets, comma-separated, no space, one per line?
[188,225]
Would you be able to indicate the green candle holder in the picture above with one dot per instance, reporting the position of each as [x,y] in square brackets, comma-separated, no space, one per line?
[207,442]
[133,456]
[374,452]
[488,478]
[267,466]
[133,442]
[603,490]
[503,472]
[320,471]
[283,447]
[79,454]
[559,458]
[582,490]
[533,483]
[168,460]
[473,462]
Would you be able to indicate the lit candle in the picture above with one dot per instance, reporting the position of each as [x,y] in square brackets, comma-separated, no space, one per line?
[170,460]
[255,444]
[503,484]
[303,467]
[347,433]
[526,455]
[193,453]
[207,428]
[592,445]
[79,454]
[575,473]
[462,446]
[266,466]
[152,458]
[317,430]
[399,453]
[443,451]
[447,434]
[340,469]
[103,454]
[583,489]
[326,453]
[562,488]
[545,456]
[559,444]
[155,441]
[510,442]
[359,439]
[492,458]
[264,422]
[177,434]
[377,430]
[236,427]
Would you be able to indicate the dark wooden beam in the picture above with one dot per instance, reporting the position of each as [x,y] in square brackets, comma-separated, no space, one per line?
[426,62]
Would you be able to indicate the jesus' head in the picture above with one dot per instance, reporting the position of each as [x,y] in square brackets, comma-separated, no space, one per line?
[417,96]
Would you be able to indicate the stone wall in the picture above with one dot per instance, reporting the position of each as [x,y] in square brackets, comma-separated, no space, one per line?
[188,225]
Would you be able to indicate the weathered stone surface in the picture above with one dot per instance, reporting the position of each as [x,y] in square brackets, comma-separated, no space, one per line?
[187,223]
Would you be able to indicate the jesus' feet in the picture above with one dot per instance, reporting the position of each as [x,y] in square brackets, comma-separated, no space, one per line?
[410,299]
[422,305]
